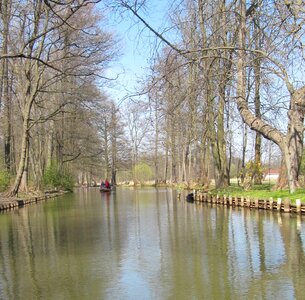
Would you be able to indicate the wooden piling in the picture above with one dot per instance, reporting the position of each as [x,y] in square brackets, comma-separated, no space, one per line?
[204,199]
[298,205]
[270,203]
[286,205]
[230,200]
[224,199]
[202,196]
[14,203]
[279,203]
[256,203]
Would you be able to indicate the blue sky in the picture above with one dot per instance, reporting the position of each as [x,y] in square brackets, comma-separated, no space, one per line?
[136,48]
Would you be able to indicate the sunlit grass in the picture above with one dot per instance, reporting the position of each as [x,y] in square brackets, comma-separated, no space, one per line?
[263,191]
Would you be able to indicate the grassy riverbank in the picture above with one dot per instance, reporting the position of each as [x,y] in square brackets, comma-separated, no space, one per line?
[263,191]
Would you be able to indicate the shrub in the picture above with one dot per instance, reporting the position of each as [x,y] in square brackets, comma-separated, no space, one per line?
[53,178]
[143,172]
[4,180]
[67,181]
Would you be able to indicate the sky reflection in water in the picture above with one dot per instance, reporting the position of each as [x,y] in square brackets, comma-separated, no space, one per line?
[146,244]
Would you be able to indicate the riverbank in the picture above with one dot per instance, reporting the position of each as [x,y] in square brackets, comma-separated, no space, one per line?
[11,203]
[279,204]
[263,191]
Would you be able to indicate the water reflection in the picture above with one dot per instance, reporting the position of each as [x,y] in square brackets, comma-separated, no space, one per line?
[146,244]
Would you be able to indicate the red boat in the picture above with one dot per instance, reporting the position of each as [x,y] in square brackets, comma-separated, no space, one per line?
[103,189]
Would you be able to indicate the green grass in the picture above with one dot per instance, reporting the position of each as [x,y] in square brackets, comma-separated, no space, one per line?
[263,191]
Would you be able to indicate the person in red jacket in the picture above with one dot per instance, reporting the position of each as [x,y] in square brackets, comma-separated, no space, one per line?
[107,184]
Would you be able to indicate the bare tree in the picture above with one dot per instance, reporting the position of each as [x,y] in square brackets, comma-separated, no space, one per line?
[290,143]
[282,26]
[58,51]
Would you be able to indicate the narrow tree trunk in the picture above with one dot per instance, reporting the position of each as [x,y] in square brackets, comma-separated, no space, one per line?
[244,150]
[60,142]
[173,154]
[166,164]
[106,146]
[241,72]
[230,142]
[257,103]
[113,145]
[7,124]
[156,158]
[221,143]
[49,146]
[224,69]
[25,175]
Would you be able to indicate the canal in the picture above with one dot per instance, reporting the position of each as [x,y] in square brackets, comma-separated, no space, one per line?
[146,244]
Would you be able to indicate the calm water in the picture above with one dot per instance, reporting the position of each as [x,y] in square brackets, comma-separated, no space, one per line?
[146,244]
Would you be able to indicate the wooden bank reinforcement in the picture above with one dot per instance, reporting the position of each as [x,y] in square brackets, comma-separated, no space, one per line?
[280,205]
[15,203]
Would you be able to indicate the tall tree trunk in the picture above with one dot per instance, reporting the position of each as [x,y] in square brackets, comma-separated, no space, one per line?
[224,70]
[156,158]
[7,120]
[173,154]
[230,142]
[114,126]
[49,146]
[106,149]
[244,151]
[166,164]
[25,175]
[5,15]
[221,143]
[24,148]
[207,139]
[290,144]
[216,92]
[60,142]
[293,142]
[205,162]
[257,103]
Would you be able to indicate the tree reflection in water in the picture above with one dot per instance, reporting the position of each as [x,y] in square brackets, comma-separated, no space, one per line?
[146,244]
